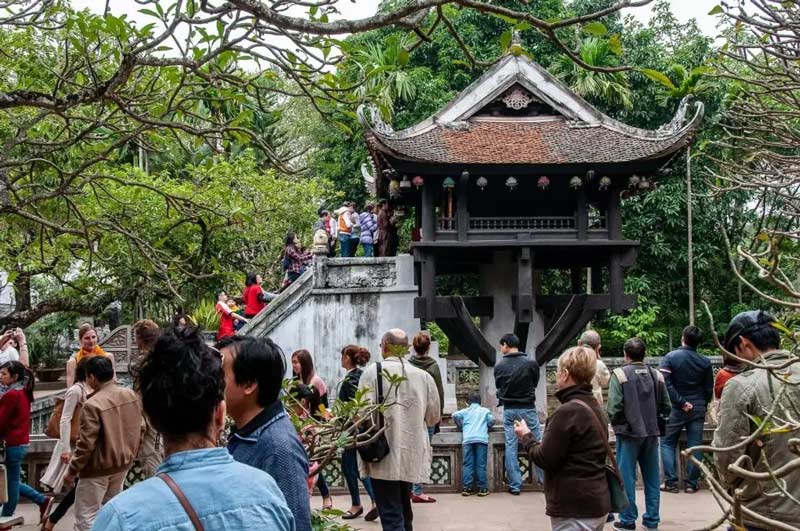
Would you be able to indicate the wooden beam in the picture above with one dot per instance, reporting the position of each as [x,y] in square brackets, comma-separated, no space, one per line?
[462,211]
[616,283]
[428,287]
[477,307]
[576,280]
[557,303]
[614,219]
[597,280]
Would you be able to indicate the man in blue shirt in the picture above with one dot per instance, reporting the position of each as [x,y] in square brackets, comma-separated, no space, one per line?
[265,437]
[690,382]
[181,383]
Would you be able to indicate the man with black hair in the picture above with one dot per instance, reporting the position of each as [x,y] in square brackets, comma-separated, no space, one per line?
[110,431]
[516,377]
[265,437]
[182,387]
[637,396]
[754,337]
[690,382]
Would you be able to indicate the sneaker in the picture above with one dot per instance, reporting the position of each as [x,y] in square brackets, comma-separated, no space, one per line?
[483,493]
[619,526]
[672,489]
[466,492]
[513,492]
[690,490]
[610,518]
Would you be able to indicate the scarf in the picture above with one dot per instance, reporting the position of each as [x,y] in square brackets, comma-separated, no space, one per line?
[96,352]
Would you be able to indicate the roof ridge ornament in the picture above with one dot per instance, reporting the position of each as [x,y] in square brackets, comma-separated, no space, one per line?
[674,125]
[370,118]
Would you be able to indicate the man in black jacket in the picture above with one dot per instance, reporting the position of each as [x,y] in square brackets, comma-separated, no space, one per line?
[516,377]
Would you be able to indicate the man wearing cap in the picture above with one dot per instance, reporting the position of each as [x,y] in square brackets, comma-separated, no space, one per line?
[753,337]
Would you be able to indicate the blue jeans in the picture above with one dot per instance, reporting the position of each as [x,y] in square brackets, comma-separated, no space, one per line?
[644,451]
[14,457]
[474,470]
[368,251]
[344,245]
[693,422]
[531,418]
[416,488]
[350,471]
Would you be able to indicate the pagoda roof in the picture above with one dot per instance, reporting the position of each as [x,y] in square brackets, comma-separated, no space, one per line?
[569,131]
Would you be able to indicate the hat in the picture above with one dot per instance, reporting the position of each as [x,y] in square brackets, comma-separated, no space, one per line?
[744,324]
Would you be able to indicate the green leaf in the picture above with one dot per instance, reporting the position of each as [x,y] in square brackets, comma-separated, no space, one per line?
[505,39]
[403,57]
[522,26]
[716,10]
[313,10]
[615,44]
[659,77]
[149,12]
[595,28]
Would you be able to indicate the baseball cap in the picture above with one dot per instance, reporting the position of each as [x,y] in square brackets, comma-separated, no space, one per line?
[745,323]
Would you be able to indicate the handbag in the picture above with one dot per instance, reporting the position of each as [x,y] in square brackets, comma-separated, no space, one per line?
[378,447]
[53,429]
[661,420]
[616,487]
[187,506]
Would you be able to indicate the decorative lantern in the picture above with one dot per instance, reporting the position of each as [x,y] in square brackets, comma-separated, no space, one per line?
[512,183]
[605,182]
[449,184]
[482,182]
[394,188]
[590,175]
[644,184]
[418,181]
[633,181]
[405,183]
[543,183]
[575,183]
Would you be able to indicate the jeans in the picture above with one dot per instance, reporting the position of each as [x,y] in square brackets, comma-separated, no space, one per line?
[344,245]
[350,471]
[644,451]
[14,457]
[322,485]
[368,249]
[531,417]
[393,499]
[353,247]
[475,466]
[416,488]
[693,422]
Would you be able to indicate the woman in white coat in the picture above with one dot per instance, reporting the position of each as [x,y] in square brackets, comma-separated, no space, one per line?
[54,475]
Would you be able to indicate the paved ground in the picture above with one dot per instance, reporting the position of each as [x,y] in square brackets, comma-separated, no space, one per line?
[498,512]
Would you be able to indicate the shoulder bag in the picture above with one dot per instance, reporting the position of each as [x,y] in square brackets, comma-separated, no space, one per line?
[187,506]
[616,487]
[660,419]
[53,429]
[378,447]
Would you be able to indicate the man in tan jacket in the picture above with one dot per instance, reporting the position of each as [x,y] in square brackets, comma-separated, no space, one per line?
[413,405]
[110,434]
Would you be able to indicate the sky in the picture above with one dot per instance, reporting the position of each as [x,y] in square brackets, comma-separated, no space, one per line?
[683,9]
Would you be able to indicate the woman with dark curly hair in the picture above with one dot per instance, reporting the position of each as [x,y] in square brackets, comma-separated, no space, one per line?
[182,385]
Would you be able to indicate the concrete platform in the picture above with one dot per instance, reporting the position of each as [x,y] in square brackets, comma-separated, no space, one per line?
[496,512]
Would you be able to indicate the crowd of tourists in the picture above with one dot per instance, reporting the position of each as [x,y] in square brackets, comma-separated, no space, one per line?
[374,229]
[173,418]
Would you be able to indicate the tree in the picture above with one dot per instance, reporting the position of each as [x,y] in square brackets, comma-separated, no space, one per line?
[607,87]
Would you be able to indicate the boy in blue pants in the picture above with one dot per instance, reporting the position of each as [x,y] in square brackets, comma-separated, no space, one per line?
[474,422]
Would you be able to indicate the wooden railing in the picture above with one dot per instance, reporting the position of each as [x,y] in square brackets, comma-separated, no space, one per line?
[554,223]
[446,225]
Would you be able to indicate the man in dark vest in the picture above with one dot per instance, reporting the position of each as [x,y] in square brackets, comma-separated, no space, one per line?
[637,396]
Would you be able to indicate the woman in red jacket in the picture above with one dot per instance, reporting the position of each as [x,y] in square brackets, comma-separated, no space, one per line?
[253,295]
[16,395]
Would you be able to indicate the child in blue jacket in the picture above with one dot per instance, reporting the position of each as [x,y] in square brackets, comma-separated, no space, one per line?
[474,422]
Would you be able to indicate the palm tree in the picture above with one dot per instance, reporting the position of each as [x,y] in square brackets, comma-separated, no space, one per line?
[608,87]
[382,68]
[681,82]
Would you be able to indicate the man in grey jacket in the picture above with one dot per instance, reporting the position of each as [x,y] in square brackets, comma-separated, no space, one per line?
[752,395]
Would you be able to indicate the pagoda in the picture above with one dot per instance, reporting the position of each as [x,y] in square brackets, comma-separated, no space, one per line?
[519,175]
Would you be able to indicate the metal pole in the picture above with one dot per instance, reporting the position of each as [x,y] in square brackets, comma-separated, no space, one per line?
[689,230]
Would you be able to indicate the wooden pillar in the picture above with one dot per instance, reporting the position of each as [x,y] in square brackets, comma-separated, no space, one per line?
[616,283]
[576,274]
[428,221]
[428,286]
[462,212]
[614,215]
[597,280]
[581,214]
[525,297]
